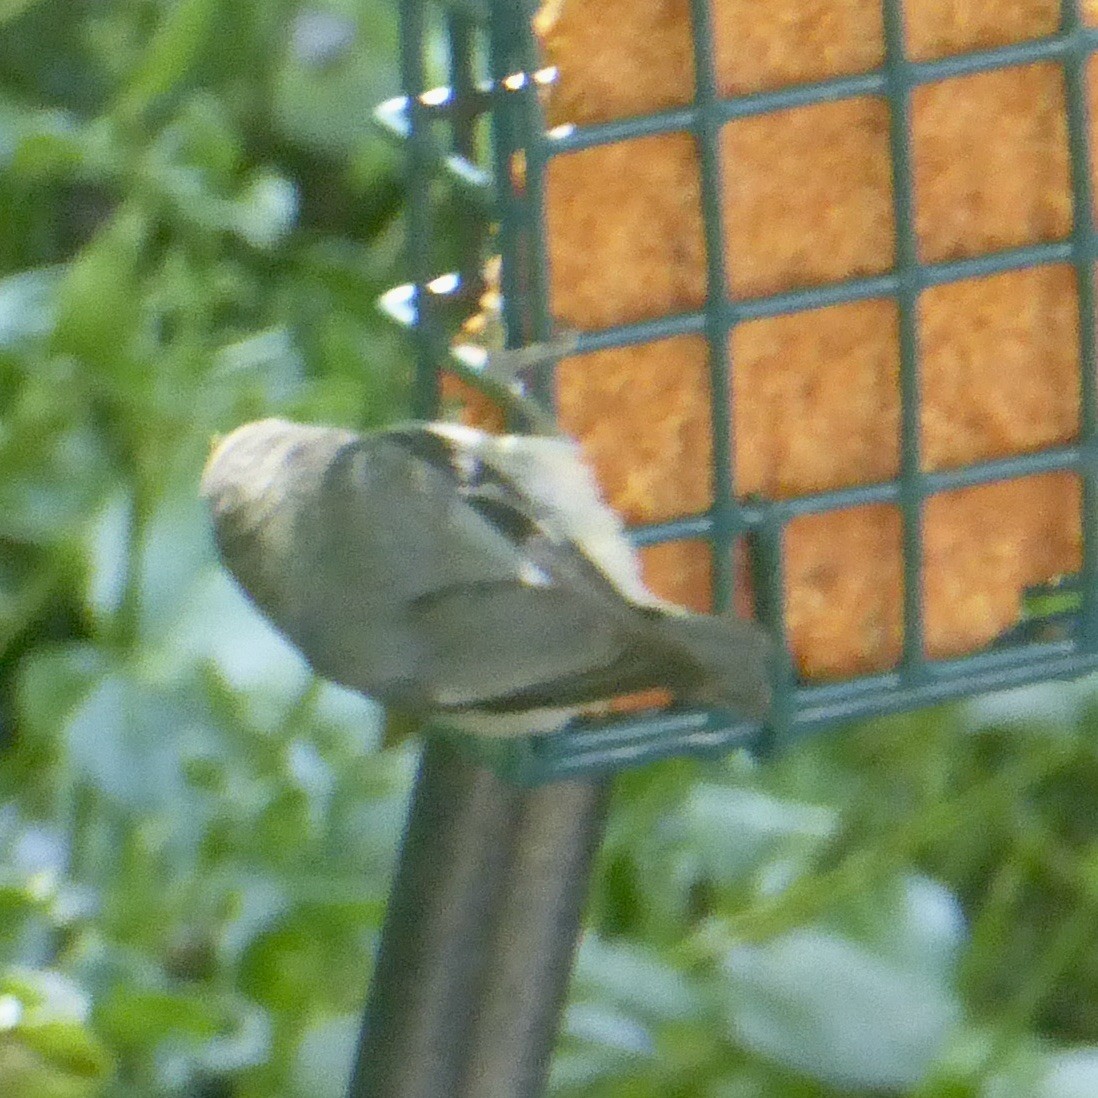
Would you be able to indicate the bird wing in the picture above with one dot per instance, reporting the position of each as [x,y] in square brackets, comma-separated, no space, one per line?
[527,648]
[545,479]
[550,628]
[440,585]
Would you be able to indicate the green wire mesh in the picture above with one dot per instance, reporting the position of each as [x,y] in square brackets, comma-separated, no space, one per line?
[492,74]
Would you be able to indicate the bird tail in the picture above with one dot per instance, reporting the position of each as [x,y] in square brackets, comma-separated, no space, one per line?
[731,657]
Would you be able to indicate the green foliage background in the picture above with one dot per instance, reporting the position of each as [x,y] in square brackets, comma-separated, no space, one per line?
[195,836]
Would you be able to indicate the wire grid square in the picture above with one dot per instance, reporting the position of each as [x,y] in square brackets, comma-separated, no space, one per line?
[494,35]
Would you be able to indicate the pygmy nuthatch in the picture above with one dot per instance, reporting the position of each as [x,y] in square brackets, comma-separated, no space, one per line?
[474,579]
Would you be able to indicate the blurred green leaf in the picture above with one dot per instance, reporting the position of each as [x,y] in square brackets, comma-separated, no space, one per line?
[28,305]
[831,1009]
[732,831]
[49,145]
[141,1018]
[610,1028]
[46,1047]
[9,9]
[99,299]
[266,210]
[53,682]
[1072,1073]
[109,746]
[632,977]
[322,1065]
[174,48]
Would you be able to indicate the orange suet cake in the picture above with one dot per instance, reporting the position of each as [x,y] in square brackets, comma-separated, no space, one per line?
[807,200]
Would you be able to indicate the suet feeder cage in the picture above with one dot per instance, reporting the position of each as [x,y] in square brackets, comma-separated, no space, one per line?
[925,306]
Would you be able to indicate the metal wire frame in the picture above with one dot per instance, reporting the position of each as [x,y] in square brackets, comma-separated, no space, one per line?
[509,93]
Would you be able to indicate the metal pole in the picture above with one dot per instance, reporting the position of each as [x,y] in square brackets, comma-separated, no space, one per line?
[479,935]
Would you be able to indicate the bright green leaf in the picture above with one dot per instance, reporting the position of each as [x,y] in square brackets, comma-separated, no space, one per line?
[172,51]
[9,9]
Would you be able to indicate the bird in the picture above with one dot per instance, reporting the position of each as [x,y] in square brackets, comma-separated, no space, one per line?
[472,581]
